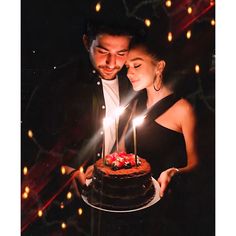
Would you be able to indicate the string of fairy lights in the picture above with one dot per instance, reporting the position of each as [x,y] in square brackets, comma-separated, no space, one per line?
[27,192]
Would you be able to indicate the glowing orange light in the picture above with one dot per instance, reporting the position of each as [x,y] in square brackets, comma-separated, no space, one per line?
[69,195]
[25,195]
[188,34]
[25,170]
[80,211]
[40,213]
[170,37]
[63,170]
[81,169]
[213,22]
[62,205]
[197,69]
[190,10]
[27,189]
[98,7]
[30,134]
[147,22]
[63,225]
[168,3]
[212,2]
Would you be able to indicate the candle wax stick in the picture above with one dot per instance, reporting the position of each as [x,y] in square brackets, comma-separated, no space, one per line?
[116,127]
[135,145]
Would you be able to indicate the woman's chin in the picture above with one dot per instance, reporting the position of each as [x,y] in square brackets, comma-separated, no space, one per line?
[137,89]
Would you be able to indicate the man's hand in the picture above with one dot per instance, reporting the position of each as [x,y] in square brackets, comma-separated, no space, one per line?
[89,172]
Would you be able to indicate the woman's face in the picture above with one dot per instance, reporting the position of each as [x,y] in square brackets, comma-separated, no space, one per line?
[142,69]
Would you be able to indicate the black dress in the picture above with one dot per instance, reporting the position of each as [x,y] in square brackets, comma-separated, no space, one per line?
[163,148]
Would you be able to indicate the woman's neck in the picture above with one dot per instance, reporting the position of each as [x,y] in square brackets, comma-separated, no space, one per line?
[154,96]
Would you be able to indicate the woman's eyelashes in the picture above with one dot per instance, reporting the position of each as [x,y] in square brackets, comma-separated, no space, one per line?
[136,66]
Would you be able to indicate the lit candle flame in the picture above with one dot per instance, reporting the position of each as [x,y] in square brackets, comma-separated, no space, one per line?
[138,120]
[119,111]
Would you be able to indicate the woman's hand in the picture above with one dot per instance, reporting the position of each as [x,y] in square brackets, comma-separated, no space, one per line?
[165,178]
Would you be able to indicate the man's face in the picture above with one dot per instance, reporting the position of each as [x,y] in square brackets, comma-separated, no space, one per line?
[108,54]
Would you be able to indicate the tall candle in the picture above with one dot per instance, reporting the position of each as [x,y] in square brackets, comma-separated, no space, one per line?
[137,121]
[118,112]
[106,122]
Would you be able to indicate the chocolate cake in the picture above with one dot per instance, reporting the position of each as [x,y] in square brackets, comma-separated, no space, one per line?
[119,183]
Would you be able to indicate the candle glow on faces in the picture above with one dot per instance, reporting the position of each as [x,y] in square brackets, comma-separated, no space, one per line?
[136,122]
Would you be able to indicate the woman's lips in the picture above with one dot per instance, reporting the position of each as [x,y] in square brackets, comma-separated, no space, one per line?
[133,81]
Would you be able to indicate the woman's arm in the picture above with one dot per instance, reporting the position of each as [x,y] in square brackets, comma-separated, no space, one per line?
[186,120]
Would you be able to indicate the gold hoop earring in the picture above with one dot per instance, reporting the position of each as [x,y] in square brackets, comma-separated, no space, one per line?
[160,79]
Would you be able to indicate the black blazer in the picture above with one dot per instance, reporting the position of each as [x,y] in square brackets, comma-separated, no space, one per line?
[65,114]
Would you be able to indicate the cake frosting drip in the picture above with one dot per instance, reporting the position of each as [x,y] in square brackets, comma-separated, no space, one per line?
[123,188]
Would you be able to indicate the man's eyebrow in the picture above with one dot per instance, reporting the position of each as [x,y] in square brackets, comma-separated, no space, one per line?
[101,47]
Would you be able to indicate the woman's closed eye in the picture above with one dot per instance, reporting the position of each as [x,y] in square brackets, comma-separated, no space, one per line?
[137,66]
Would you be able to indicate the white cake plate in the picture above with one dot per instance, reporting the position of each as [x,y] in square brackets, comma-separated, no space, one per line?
[152,202]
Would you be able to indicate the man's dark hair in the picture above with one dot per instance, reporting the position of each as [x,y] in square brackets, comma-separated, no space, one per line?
[113,27]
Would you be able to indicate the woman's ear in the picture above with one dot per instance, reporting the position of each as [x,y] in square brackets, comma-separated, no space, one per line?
[86,42]
[160,66]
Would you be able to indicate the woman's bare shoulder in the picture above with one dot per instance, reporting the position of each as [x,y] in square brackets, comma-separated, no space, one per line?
[184,108]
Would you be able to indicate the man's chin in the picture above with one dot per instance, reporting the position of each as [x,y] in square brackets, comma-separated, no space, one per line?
[108,75]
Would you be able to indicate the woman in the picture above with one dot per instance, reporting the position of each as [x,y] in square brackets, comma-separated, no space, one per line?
[167,140]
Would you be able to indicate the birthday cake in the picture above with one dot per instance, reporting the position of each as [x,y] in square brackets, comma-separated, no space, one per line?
[121,182]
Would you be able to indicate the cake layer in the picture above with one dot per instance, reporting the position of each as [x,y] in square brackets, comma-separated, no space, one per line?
[121,189]
[106,202]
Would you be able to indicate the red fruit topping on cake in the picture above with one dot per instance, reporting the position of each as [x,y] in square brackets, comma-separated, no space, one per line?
[120,160]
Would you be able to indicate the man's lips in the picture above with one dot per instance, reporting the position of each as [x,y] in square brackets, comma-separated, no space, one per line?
[109,70]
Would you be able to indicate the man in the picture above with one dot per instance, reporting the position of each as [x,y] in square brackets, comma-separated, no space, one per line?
[66,110]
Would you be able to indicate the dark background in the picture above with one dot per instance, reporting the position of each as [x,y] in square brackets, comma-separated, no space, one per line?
[51,32]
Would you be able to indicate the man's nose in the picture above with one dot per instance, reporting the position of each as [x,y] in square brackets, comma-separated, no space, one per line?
[111,60]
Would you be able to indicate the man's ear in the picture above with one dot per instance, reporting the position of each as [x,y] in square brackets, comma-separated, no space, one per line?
[86,42]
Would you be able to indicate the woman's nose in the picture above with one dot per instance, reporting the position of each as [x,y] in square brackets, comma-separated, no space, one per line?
[129,73]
